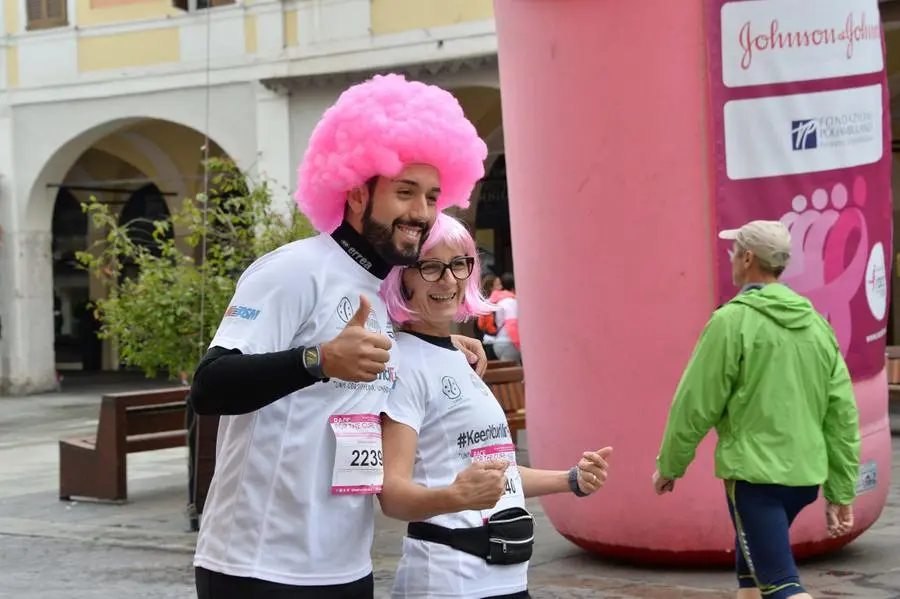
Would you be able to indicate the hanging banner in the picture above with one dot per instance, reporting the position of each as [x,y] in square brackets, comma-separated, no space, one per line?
[801,133]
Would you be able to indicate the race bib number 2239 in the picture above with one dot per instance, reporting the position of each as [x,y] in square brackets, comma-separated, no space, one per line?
[358,458]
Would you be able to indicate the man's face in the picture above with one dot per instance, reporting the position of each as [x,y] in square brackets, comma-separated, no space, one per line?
[740,264]
[400,212]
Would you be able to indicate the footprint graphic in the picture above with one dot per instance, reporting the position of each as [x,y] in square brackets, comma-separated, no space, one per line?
[829,243]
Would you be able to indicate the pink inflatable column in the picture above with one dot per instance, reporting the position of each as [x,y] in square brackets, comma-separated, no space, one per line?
[605,123]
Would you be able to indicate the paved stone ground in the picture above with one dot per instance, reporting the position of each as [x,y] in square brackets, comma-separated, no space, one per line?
[89,550]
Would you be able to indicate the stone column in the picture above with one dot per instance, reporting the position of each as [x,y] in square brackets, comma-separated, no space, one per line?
[28,319]
[27,357]
[273,140]
[7,228]
[5,277]
[285,118]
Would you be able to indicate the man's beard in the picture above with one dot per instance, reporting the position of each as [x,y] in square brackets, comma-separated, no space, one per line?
[381,237]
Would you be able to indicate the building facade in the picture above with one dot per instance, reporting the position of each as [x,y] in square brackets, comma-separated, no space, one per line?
[116,99]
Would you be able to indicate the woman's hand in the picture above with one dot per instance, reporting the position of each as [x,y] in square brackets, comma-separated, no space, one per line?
[481,485]
[593,470]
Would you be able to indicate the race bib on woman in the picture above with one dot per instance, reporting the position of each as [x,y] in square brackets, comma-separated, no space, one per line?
[514,495]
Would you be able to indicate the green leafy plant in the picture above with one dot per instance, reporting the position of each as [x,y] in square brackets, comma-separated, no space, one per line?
[167,295]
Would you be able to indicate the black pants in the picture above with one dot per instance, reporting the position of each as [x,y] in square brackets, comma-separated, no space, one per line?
[214,585]
[762,517]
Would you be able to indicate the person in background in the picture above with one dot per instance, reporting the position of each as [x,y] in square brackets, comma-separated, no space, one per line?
[768,374]
[506,320]
[489,284]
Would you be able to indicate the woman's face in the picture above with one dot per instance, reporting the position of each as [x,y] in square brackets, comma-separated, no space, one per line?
[437,283]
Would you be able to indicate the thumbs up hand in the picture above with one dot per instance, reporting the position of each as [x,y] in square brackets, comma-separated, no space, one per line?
[481,485]
[356,354]
[593,469]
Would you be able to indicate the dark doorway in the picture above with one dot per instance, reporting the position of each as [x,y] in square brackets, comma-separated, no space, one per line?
[493,215]
[75,339]
[145,206]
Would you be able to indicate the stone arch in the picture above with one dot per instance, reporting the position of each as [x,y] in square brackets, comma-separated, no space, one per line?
[147,150]
[39,204]
[162,163]
[64,151]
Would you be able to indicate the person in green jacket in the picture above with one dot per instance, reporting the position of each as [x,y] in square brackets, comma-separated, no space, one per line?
[768,374]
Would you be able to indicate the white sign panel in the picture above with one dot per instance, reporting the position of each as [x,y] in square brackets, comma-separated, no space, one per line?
[777,41]
[803,133]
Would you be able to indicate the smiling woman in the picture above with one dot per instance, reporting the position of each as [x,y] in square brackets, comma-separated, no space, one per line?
[426,289]
[449,460]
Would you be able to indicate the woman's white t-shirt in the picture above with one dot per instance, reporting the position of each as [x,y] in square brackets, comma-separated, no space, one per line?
[458,420]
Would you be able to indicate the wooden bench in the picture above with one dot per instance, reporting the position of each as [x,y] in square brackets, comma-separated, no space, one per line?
[95,466]
[203,463]
[501,364]
[892,357]
[508,386]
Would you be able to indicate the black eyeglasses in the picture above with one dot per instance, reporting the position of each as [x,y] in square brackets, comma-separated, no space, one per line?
[433,270]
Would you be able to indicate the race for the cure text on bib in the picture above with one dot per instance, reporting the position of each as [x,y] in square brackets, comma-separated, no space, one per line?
[358,458]
[506,451]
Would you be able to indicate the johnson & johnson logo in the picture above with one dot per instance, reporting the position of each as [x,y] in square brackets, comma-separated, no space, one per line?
[754,42]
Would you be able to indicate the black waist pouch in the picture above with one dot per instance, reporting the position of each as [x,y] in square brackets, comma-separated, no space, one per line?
[506,539]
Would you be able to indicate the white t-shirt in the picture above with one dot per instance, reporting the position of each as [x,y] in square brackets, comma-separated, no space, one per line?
[270,513]
[506,308]
[457,420]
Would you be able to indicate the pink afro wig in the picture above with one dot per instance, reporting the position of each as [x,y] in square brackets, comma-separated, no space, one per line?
[379,127]
[449,231]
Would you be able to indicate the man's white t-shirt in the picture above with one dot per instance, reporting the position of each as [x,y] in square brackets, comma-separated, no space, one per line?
[271,513]
[458,420]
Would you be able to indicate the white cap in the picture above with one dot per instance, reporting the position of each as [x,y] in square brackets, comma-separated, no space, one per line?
[769,240]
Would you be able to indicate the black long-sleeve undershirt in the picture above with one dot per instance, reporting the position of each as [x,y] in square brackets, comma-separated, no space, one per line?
[228,382]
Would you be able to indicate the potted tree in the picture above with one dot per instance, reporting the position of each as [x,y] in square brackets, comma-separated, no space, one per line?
[166,293]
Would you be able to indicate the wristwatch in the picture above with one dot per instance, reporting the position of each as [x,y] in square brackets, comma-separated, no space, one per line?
[573,482]
[312,361]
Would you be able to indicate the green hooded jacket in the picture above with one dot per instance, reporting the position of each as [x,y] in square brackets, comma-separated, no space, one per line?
[767,373]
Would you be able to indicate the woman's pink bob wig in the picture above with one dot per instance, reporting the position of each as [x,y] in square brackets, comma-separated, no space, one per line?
[446,230]
[379,127]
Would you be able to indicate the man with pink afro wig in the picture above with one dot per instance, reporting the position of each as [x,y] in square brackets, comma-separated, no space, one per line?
[379,128]
[304,358]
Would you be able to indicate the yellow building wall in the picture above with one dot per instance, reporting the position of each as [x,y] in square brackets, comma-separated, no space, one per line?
[394,16]
[11,15]
[12,67]
[98,12]
[290,28]
[250,34]
[133,49]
